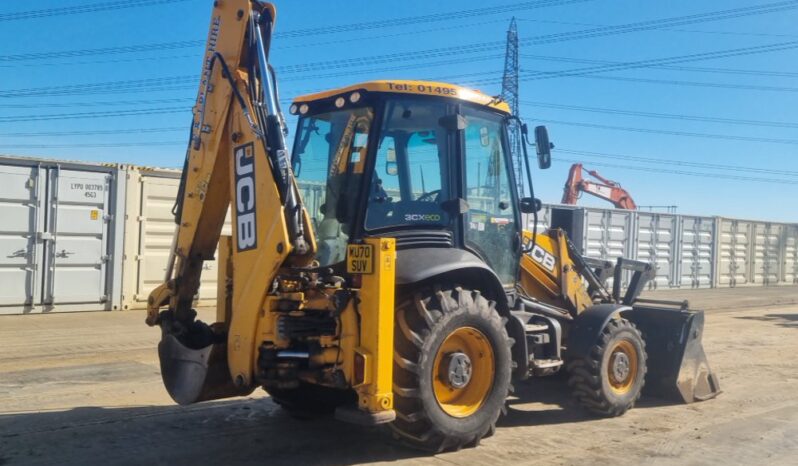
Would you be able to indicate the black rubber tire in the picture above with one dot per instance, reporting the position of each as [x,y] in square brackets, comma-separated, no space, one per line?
[588,377]
[423,321]
[309,401]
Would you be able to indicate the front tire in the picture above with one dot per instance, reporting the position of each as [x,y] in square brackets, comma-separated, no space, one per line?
[610,379]
[452,368]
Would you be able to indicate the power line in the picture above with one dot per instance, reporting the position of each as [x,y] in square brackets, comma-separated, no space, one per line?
[692,31]
[82,9]
[727,137]
[683,163]
[93,146]
[90,115]
[435,17]
[680,172]
[115,103]
[668,22]
[168,129]
[669,67]
[671,116]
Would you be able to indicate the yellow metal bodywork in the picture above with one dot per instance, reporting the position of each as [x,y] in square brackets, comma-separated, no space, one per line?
[548,274]
[401,86]
[376,311]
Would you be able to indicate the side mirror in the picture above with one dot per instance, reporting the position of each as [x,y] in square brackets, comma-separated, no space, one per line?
[543,147]
[530,205]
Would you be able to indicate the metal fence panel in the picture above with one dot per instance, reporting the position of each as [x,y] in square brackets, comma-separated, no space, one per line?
[657,243]
[696,252]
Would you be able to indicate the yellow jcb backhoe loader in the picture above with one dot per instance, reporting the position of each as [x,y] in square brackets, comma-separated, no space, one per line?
[381,271]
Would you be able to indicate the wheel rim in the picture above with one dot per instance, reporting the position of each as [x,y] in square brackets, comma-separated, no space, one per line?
[463,372]
[622,367]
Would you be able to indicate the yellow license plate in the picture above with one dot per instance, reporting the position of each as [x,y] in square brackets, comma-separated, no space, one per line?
[360,258]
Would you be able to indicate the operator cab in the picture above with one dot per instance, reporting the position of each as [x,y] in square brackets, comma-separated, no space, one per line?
[405,159]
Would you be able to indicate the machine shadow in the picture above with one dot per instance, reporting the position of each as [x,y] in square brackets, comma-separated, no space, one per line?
[782,320]
[239,431]
[248,431]
[550,402]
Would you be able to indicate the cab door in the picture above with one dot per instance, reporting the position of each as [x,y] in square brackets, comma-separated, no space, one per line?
[491,223]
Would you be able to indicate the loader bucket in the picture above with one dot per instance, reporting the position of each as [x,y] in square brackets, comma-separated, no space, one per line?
[194,375]
[677,365]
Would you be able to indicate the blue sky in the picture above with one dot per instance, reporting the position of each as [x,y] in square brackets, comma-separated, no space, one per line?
[759,88]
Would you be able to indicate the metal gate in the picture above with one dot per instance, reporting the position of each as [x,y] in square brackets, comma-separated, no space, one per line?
[57,237]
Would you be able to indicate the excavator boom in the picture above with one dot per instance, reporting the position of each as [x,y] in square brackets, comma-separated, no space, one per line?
[608,190]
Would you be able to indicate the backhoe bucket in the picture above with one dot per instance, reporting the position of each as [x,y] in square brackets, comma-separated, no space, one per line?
[194,375]
[677,365]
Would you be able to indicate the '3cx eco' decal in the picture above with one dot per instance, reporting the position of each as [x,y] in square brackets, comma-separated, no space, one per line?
[246,225]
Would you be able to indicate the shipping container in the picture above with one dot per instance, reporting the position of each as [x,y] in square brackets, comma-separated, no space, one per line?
[696,252]
[150,228]
[657,243]
[61,236]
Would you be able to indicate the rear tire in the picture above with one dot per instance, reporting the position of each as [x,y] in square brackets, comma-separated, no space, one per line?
[452,368]
[609,381]
[309,401]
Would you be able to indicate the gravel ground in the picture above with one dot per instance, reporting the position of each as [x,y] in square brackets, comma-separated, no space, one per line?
[84,388]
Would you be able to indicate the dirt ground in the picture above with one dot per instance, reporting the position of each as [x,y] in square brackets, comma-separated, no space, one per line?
[84,388]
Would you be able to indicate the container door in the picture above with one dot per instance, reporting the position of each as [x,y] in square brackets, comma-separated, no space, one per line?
[697,255]
[156,229]
[790,252]
[766,253]
[608,235]
[21,198]
[78,220]
[734,250]
[656,244]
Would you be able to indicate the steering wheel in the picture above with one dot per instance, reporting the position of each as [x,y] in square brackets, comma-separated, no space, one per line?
[428,197]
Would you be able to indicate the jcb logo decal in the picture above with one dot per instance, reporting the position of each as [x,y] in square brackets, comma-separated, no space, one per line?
[246,226]
[542,257]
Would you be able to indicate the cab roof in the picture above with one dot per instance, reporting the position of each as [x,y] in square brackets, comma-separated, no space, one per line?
[411,87]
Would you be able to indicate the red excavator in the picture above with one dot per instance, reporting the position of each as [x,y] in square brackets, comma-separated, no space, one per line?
[608,190]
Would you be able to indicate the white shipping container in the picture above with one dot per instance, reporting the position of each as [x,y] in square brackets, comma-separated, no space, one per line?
[60,239]
[150,228]
[696,252]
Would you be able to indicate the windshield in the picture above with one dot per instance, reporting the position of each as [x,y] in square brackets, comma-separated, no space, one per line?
[328,160]
[410,179]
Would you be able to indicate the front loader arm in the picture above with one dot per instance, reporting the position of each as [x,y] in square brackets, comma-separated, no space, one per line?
[236,159]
